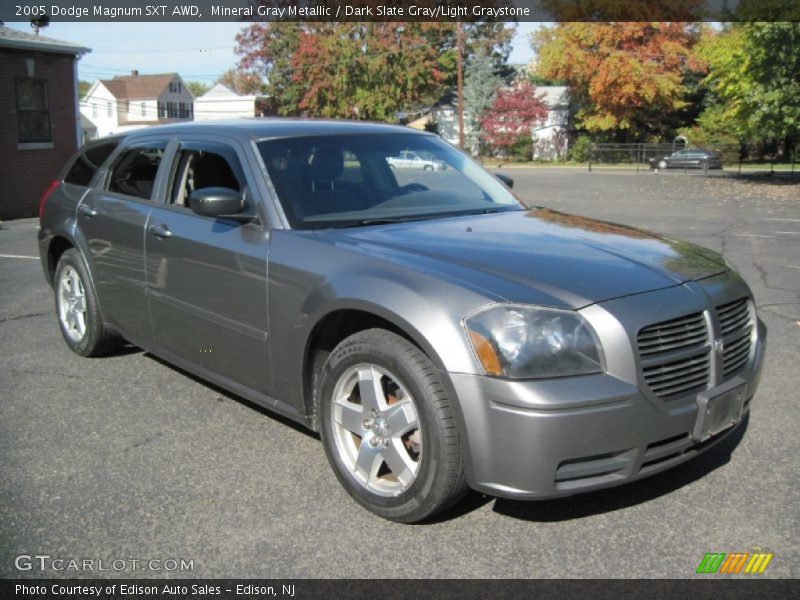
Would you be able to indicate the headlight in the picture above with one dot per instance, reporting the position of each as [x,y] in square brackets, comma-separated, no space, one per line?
[524,342]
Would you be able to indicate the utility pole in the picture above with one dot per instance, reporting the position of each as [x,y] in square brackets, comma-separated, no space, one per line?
[460,68]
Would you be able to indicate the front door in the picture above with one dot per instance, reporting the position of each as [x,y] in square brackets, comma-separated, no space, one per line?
[207,277]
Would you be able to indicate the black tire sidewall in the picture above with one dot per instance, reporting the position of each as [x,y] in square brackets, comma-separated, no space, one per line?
[416,499]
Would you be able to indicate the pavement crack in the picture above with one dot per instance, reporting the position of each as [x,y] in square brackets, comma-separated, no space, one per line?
[25,316]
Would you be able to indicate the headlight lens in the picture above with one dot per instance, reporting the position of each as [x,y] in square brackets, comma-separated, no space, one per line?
[524,342]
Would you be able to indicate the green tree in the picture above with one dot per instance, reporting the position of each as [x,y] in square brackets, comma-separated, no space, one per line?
[480,87]
[357,69]
[198,88]
[83,88]
[754,82]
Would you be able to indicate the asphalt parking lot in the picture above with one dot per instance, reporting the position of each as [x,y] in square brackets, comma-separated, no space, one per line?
[127,457]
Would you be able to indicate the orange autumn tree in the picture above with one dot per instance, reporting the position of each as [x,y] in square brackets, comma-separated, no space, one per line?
[629,78]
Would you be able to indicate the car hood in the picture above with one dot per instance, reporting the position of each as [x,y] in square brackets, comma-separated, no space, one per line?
[538,256]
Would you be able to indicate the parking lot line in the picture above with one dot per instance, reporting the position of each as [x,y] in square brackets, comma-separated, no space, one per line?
[19,256]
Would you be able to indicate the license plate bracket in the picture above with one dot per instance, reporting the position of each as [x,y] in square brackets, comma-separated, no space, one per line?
[719,408]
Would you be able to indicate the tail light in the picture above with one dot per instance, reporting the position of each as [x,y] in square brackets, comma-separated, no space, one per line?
[43,200]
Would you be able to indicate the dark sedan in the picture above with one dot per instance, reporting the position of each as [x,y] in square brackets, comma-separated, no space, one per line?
[435,332]
[688,158]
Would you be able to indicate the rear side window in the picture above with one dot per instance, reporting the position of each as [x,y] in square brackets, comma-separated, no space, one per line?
[87,163]
[134,171]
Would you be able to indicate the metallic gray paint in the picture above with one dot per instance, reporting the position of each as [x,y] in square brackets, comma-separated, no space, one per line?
[238,303]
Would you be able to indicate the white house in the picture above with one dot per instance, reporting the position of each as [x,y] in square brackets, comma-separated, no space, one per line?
[132,101]
[221,102]
[549,137]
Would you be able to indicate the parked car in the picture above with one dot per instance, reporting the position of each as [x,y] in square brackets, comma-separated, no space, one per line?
[409,159]
[436,333]
[692,158]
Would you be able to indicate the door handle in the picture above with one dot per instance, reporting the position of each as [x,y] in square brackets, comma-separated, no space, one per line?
[87,210]
[161,231]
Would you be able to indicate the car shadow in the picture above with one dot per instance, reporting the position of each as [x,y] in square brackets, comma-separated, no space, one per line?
[227,395]
[637,492]
[124,350]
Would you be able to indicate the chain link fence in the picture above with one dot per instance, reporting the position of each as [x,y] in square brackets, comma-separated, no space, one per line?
[729,159]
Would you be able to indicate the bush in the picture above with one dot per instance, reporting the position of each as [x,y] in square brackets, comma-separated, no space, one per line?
[581,149]
[522,149]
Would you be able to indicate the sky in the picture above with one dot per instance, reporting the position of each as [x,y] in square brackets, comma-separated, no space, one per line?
[197,51]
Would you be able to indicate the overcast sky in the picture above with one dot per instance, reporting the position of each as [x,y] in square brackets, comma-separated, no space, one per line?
[198,51]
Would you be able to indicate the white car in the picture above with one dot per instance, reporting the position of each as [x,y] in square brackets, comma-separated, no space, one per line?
[409,159]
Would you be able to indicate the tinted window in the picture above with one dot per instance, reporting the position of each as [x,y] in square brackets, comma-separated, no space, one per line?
[346,180]
[134,171]
[87,163]
[198,167]
[81,172]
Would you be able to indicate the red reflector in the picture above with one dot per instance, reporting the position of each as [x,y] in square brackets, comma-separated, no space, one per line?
[50,189]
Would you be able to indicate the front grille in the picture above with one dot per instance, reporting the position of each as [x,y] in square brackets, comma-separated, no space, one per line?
[674,354]
[736,327]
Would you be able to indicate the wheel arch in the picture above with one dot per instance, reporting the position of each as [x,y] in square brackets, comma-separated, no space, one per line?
[338,323]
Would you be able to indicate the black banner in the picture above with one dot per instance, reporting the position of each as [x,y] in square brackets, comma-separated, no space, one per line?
[310,589]
[400,10]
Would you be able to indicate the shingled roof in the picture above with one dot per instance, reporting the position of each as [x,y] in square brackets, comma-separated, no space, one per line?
[13,38]
[138,87]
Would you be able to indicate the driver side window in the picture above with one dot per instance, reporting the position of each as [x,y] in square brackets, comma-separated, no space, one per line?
[205,167]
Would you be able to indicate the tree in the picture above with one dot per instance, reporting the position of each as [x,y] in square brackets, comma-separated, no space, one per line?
[480,86]
[241,82]
[512,116]
[626,77]
[360,69]
[198,88]
[754,82]
[83,88]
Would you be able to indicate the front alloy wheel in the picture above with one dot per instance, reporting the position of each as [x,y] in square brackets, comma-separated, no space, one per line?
[388,427]
[376,429]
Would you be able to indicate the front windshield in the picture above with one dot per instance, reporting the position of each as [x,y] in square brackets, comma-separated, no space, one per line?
[350,180]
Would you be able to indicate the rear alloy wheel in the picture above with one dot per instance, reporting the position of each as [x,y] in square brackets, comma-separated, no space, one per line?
[704,165]
[388,427]
[662,164]
[77,308]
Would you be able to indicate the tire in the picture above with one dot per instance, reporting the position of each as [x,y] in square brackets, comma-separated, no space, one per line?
[392,468]
[427,168]
[77,308]
[704,165]
[662,164]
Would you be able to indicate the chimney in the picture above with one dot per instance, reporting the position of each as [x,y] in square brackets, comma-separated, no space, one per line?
[135,73]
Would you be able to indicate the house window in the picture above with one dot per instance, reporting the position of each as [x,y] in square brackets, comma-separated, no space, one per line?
[108,106]
[144,110]
[94,110]
[175,87]
[33,111]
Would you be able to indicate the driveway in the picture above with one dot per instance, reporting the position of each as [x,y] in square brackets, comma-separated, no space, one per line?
[127,457]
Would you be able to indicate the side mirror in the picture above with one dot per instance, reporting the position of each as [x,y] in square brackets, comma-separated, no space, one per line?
[216,202]
[507,181]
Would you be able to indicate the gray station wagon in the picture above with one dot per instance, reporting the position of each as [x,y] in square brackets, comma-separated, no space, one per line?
[437,334]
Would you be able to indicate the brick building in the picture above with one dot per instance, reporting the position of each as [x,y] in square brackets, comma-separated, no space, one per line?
[39,116]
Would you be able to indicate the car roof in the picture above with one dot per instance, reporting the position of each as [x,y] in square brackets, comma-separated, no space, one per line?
[272,127]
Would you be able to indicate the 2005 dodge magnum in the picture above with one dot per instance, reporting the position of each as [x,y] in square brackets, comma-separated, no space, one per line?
[436,333]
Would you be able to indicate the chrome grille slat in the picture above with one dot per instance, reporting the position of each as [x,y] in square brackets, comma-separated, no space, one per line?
[736,326]
[675,356]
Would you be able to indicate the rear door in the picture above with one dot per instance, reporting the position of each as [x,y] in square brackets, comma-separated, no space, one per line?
[112,219]
[207,277]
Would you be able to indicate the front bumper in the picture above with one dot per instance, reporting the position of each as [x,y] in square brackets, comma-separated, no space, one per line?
[558,437]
